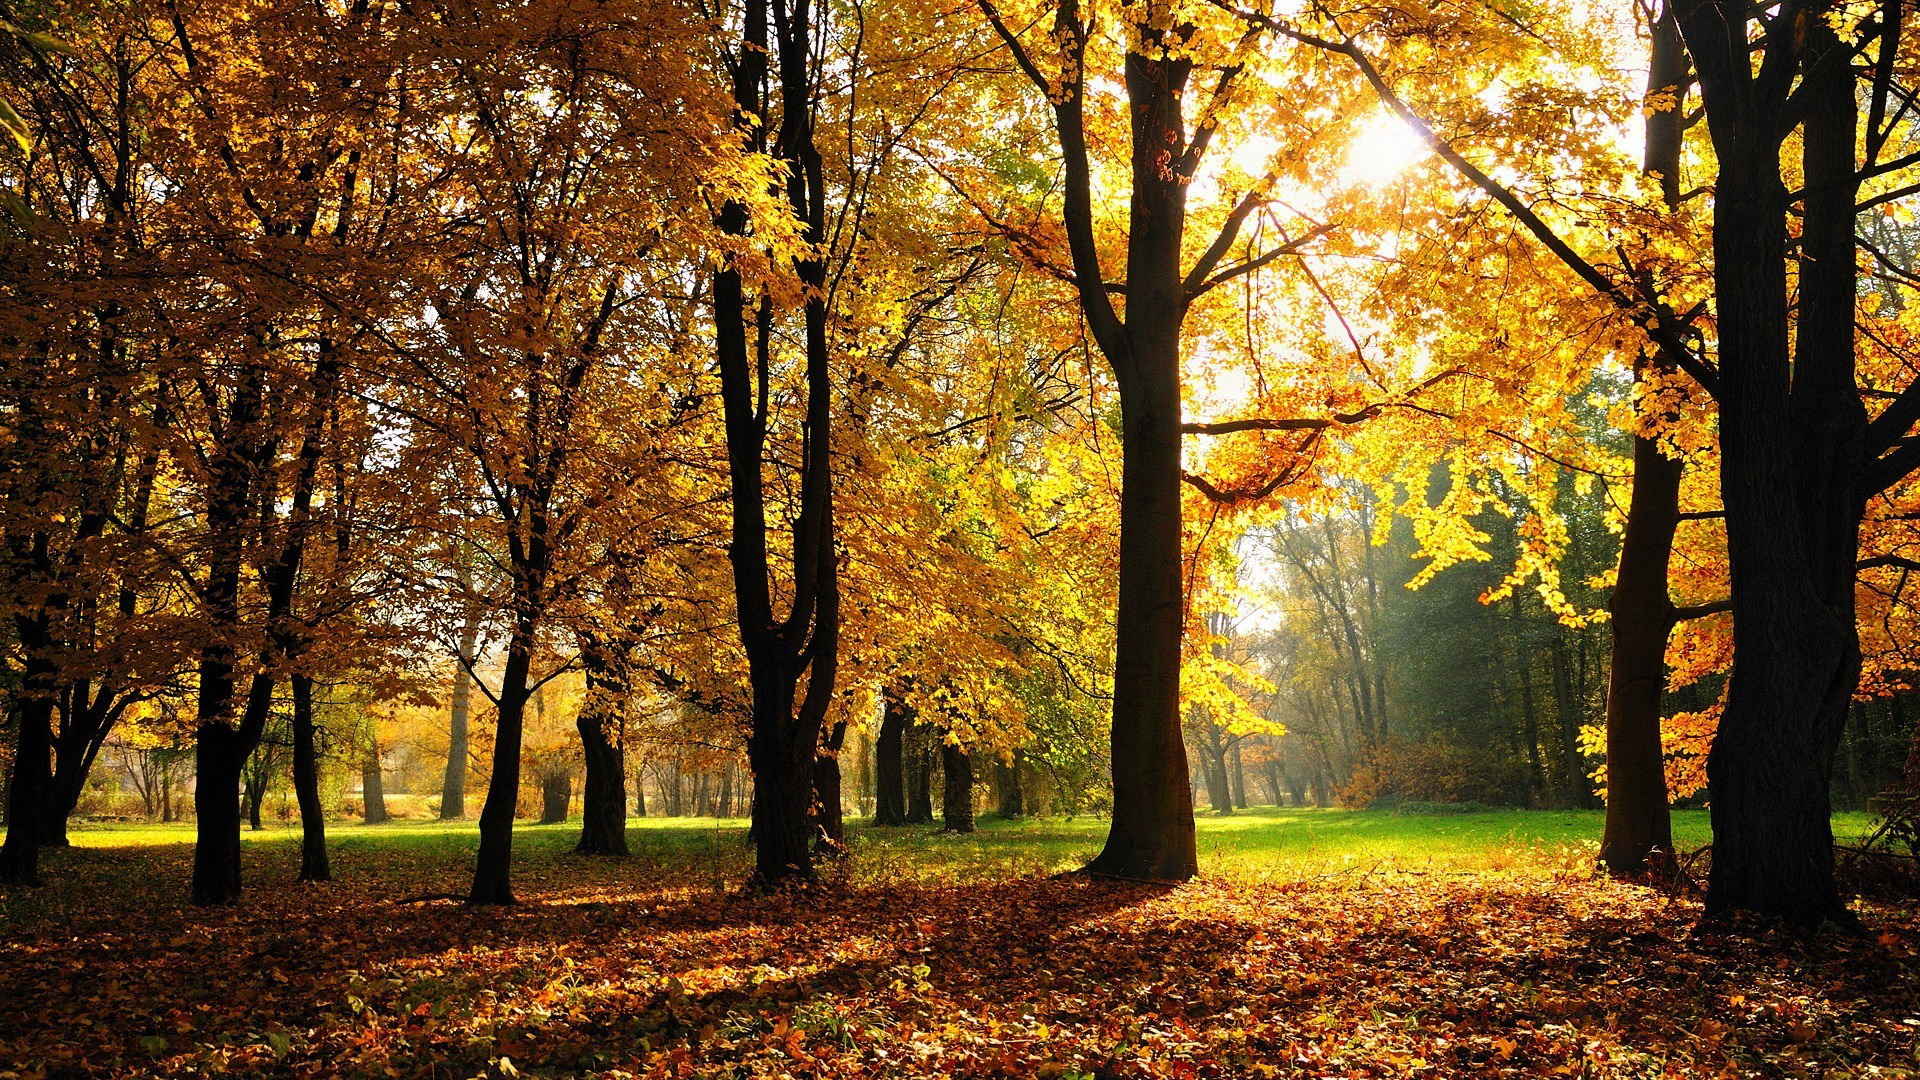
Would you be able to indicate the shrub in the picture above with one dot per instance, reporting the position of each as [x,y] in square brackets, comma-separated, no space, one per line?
[1429,773]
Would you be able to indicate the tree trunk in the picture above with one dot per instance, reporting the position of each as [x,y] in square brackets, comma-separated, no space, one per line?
[1151,835]
[26,793]
[1792,444]
[493,865]
[830,815]
[556,797]
[889,776]
[603,796]
[453,788]
[306,785]
[1574,789]
[920,775]
[373,792]
[253,795]
[956,804]
[1239,777]
[784,735]
[1013,799]
[219,756]
[1638,822]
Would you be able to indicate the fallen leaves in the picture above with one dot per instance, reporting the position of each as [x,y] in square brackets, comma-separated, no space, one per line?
[618,969]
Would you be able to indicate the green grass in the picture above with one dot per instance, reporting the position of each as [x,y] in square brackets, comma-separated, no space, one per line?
[1264,842]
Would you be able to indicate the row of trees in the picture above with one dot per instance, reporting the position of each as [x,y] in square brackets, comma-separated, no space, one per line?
[729,362]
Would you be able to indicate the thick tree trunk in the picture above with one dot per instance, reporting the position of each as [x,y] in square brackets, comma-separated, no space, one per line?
[306,785]
[1792,444]
[1151,834]
[784,738]
[556,797]
[889,773]
[956,804]
[26,792]
[920,775]
[603,798]
[373,791]
[219,755]
[1013,798]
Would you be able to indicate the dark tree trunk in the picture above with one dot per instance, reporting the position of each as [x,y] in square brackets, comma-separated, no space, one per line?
[1638,822]
[1574,789]
[1793,447]
[493,865]
[920,775]
[639,794]
[829,814]
[219,755]
[889,773]
[27,791]
[556,797]
[306,785]
[956,804]
[1239,777]
[87,720]
[1013,799]
[254,793]
[603,797]
[222,746]
[602,724]
[784,735]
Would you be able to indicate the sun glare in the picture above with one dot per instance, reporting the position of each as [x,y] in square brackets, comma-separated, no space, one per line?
[1383,149]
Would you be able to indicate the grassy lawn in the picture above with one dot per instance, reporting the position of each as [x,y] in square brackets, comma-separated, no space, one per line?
[1263,842]
[1318,943]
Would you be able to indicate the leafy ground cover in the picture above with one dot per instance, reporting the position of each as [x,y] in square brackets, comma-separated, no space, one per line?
[1455,945]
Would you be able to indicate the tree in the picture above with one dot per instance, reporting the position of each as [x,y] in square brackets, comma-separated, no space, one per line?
[785,725]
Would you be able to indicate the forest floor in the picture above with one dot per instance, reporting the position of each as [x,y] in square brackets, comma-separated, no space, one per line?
[1319,944]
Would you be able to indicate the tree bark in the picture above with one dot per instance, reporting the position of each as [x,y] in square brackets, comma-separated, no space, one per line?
[829,814]
[919,775]
[1793,450]
[373,791]
[602,724]
[219,755]
[26,793]
[1013,798]
[492,867]
[603,797]
[453,787]
[556,796]
[889,774]
[254,793]
[1638,823]
[1239,777]
[956,804]
[784,735]
[306,785]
